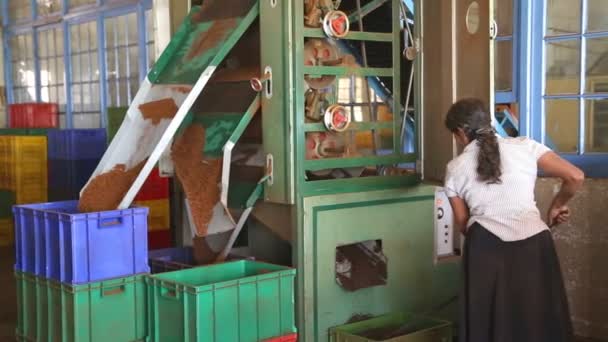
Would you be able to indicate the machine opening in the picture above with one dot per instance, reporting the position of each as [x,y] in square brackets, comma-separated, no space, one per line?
[361,265]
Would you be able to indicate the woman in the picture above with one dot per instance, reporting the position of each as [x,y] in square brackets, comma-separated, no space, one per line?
[513,287]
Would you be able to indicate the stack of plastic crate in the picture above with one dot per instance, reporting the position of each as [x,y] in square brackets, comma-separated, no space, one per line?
[23,177]
[73,156]
[154,194]
[80,276]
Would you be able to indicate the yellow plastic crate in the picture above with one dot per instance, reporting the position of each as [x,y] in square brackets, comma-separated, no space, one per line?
[23,165]
[7,232]
[159,214]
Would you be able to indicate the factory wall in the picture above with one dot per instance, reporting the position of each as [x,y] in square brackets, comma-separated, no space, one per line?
[581,245]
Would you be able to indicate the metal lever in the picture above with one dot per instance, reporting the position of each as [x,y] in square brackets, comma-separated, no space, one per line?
[263,83]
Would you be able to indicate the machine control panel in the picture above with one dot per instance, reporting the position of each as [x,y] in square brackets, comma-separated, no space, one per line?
[447,240]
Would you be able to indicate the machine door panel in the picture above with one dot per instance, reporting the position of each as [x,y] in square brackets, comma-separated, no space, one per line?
[369,254]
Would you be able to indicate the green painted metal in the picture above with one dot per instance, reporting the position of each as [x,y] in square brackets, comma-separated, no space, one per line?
[278,51]
[397,56]
[361,184]
[366,9]
[330,163]
[352,35]
[7,200]
[422,329]
[242,301]
[111,310]
[218,129]
[247,117]
[347,71]
[200,43]
[354,126]
[24,131]
[403,220]
[115,117]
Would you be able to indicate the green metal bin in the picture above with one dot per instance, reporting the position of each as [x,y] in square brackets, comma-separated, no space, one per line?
[414,329]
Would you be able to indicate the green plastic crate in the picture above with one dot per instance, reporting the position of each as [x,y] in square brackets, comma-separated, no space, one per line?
[7,200]
[24,131]
[241,301]
[110,310]
[419,329]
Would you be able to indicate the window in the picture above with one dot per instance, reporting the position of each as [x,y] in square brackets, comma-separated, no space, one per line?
[122,63]
[22,63]
[77,3]
[569,103]
[52,67]
[48,7]
[504,51]
[84,83]
[99,42]
[19,10]
[576,76]
[150,34]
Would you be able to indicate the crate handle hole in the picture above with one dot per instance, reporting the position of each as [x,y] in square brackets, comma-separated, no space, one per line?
[111,222]
[114,291]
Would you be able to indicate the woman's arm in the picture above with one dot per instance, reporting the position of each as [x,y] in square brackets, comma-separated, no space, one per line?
[461,213]
[572,180]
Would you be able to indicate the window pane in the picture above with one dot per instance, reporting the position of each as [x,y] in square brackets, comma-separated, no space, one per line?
[132,26]
[503,66]
[88,120]
[19,10]
[563,67]
[48,7]
[597,65]
[597,14]
[596,130]
[503,14]
[563,17]
[562,124]
[76,3]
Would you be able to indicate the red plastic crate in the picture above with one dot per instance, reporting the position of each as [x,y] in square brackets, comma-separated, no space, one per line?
[34,115]
[154,188]
[159,239]
[286,338]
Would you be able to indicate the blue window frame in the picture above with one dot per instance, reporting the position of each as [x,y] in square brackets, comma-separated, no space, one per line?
[568,58]
[58,52]
[506,50]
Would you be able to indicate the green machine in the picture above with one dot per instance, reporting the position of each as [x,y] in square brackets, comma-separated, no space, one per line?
[310,106]
[362,232]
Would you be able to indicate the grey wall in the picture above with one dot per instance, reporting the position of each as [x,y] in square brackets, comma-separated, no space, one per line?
[582,245]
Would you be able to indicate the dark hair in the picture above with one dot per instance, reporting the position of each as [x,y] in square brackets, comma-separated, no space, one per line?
[474,119]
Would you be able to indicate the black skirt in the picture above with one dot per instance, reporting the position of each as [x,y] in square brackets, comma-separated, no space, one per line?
[513,291]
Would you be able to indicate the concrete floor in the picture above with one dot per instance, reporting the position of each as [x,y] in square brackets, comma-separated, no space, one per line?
[8,304]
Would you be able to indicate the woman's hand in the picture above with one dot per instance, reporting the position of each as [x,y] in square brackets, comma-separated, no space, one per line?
[558,215]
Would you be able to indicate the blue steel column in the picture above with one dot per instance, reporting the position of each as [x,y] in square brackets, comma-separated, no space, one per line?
[101,47]
[67,48]
[36,56]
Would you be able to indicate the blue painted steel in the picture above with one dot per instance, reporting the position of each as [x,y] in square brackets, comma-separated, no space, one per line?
[36,56]
[103,99]
[67,48]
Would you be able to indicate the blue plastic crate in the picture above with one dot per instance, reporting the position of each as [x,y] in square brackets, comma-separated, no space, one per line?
[75,144]
[69,175]
[171,259]
[54,241]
